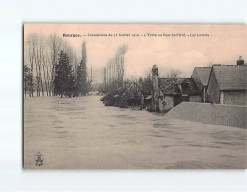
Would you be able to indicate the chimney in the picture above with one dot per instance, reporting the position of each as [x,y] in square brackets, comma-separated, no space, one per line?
[240,61]
[155,78]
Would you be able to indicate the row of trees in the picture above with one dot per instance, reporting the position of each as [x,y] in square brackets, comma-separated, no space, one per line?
[114,69]
[113,72]
[51,67]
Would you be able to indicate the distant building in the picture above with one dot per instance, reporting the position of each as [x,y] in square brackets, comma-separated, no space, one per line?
[228,84]
[201,75]
[240,61]
[168,92]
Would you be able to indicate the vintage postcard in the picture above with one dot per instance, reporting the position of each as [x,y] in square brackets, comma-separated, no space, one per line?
[134,96]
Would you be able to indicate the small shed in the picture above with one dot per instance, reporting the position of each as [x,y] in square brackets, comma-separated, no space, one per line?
[176,90]
[227,84]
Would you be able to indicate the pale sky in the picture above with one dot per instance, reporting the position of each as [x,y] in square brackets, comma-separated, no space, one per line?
[223,46]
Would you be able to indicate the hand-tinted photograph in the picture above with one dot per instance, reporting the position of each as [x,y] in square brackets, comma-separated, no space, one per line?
[134,96]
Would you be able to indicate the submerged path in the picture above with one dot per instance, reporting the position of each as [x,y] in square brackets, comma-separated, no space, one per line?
[82,133]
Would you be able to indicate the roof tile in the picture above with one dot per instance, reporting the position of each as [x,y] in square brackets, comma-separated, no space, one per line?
[231,77]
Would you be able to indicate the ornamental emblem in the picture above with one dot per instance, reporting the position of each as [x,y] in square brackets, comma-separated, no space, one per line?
[39,159]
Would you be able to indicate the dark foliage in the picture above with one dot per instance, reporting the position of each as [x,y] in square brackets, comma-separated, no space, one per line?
[27,80]
[64,82]
[83,85]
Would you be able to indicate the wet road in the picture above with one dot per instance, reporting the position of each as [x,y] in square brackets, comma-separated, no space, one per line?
[82,133]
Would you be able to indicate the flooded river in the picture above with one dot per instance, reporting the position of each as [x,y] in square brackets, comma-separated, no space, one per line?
[82,133]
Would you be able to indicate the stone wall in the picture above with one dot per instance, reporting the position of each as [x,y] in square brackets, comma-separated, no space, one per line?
[195,98]
[218,114]
[235,97]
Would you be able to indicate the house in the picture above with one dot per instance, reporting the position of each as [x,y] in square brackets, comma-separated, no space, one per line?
[228,84]
[220,84]
[168,92]
[201,75]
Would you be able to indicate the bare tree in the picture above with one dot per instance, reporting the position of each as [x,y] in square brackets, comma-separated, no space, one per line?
[39,60]
[31,44]
[173,73]
[54,44]
[114,69]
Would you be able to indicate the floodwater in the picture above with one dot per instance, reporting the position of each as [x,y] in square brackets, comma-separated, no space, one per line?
[82,133]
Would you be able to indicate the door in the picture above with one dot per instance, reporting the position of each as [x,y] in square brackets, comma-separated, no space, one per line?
[177,100]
